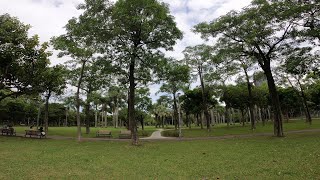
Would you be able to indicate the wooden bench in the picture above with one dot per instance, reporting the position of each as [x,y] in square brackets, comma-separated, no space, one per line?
[34,133]
[104,133]
[125,134]
[8,131]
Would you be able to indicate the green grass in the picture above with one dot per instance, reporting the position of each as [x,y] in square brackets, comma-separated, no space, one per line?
[72,131]
[222,130]
[293,157]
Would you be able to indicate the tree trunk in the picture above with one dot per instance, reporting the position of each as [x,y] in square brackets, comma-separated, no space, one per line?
[142,122]
[278,129]
[66,123]
[78,101]
[201,120]
[253,124]
[105,119]
[306,107]
[227,115]
[287,115]
[157,120]
[117,114]
[197,117]
[242,117]
[132,121]
[162,121]
[128,101]
[87,109]
[204,102]
[175,111]
[87,119]
[46,113]
[96,117]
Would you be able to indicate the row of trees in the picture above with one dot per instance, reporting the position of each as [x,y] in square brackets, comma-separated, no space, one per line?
[116,50]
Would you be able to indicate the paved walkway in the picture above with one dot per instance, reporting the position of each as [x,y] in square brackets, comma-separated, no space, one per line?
[156,136]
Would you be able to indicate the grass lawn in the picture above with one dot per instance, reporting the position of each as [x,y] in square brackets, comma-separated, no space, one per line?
[222,130]
[72,131]
[293,157]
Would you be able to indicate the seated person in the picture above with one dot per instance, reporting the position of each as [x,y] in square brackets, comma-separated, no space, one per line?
[41,131]
[11,130]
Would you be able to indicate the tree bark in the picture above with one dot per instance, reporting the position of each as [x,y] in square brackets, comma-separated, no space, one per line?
[175,111]
[131,113]
[78,101]
[242,117]
[306,107]
[87,109]
[96,117]
[253,124]
[278,129]
[46,113]
[162,121]
[204,101]
[201,120]
[142,122]
[227,115]
[66,123]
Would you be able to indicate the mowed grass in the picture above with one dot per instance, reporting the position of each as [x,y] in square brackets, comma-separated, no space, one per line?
[293,157]
[238,129]
[72,131]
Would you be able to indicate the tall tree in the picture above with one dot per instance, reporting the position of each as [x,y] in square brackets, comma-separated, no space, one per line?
[144,26]
[236,61]
[53,81]
[175,78]
[80,49]
[143,104]
[199,58]
[139,28]
[261,30]
[297,65]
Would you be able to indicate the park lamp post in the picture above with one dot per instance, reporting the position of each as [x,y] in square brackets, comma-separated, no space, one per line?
[179,115]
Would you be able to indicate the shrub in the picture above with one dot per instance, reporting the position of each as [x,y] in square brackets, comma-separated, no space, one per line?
[170,133]
[144,133]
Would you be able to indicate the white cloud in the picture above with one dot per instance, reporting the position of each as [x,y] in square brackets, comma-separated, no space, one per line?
[48,17]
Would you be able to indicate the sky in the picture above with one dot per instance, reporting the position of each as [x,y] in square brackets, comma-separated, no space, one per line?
[48,18]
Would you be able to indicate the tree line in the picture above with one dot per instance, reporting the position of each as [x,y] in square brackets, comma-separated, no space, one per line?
[116,50]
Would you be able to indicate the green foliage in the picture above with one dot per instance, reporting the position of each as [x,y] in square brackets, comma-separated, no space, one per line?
[22,58]
[170,133]
[236,96]
[192,101]
[53,80]
[175,77]
[289,99]
[314,92]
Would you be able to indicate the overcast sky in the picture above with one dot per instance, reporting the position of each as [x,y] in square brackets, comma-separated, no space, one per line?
[48,17]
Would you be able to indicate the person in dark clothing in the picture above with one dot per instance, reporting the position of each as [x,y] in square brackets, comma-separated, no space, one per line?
[41,131]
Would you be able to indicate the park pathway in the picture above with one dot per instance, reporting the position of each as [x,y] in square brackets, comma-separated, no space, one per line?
[156,136]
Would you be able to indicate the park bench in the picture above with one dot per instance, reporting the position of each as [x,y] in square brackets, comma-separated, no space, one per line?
[8,131]
[125,134]
[103,133]
[31,132]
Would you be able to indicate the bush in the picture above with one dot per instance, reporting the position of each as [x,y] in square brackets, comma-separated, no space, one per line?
[144,133]
[170,133]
